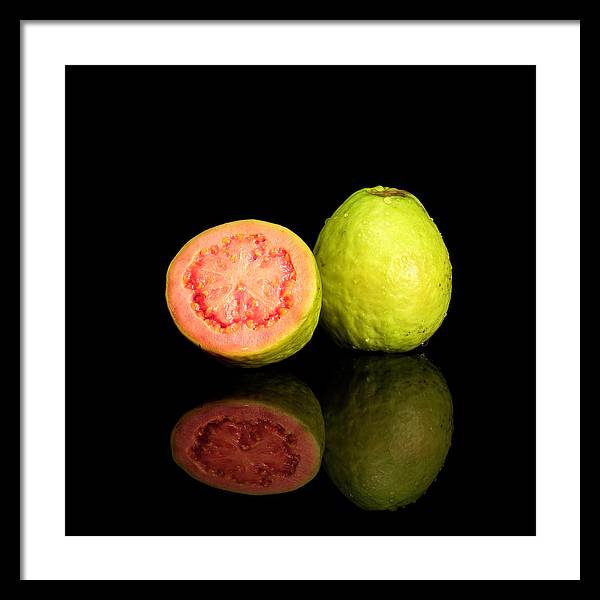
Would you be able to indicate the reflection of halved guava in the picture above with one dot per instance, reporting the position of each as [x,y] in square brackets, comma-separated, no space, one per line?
[264,437]
[248,292]
[385,270]
[388,425]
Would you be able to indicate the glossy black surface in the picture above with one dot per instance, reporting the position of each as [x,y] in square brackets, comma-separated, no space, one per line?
[156,155]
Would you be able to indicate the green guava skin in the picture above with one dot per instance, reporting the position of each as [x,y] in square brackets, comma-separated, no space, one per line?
[385,272]
[388,430]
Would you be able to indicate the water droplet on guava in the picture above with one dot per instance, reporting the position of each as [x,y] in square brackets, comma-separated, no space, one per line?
[345,214]
[387,201]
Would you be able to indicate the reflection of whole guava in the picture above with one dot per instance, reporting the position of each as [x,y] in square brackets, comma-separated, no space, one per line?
[385,272]
[262,435]
[388,426]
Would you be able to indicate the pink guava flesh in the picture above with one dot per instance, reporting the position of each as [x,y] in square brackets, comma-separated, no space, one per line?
[241,281]
[247,448]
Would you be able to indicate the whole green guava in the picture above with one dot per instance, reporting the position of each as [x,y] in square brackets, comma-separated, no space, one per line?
[385,272]
[388,428]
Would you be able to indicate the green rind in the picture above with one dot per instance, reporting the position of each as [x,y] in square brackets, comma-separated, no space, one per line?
[367,253]
[389,428]
[297,337]
[281,392]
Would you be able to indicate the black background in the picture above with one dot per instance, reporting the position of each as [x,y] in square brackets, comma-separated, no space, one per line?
[157,154]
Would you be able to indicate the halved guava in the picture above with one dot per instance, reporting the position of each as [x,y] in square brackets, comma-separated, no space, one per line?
[266,437]
[386,272]
[388,422]
[248,292]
